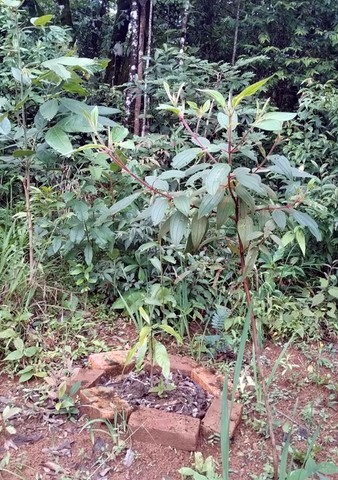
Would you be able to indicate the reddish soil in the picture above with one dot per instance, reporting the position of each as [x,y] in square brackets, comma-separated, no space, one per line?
[52,446]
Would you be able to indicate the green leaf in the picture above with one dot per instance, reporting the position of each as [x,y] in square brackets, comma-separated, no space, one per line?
[81,210]
[5,126]
[161,357]
[279,116]
[184,158]
[8,333]
[306,221]
[124,203]
[250,260]
[224,210]
[269,125]
[178,226]
[223,120]
[216,96]
[172,174]
[76,234]
[319,298]
[16,355]
[279,218]
[118,134]
[158,209]
[249,180]
[182,203]
[88,254]
[31,351]
[245,228]
[41,21]
[301,240]
[209,202]
[249,91]
[49,109]
[329,468]
[157,264]
[282,166]
[168,329]
[23,153]
[59,141]
[247,198]
[155,182]
[333,291]
[18,343]
[287,238]
[10,412]
[217,177]
[199,227]
[25,377]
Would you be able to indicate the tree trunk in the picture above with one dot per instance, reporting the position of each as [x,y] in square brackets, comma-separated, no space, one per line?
[33,7]
[119,35]
[184,26]
[140,64]
[98,16]
[234,50]
[65,13]
[134,29]
[149,41]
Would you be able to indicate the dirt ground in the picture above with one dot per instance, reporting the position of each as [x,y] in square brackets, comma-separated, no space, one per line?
[304,396]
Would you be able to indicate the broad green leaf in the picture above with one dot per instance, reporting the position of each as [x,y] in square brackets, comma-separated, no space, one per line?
[158,209]
[217,178]
[249,91]
[75,123]
[16,355]
[8,333]
[318,299]
[287,238]
[182,203]
[169,108]
[250,260]
[145,317]
[156,183]
[279,218]
[201,142]
[24,377]
[249,180]
[199,227]
[59,141]
[269,125]
[5,126]
[18,343]
[69,62]
[216,96]
[23,153]
[301,240]
[162,358]
[10,412]
[247,198]
[172,175]
[157,264]
[223,120]
[306,221]
[184,158]
[209,202]
[168,329]
[81,210]
[31,351]
[178,226]
[282,166]
[245,228]
[279,116]
[76,234]
[88,254]
[49,109]
[118,134]
[328,468]
[224,210]
[333,291]
[124,203]
[41,21]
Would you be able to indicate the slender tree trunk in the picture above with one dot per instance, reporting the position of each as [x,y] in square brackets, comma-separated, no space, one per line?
[146,96]
[97,28]
[234,50]
[134,28]
[119,35]
[184,26]
[140,64]
[65,13]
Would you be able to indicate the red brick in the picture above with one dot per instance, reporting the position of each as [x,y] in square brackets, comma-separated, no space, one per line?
[212,420]
[164,428]
[104,403]
[87,378]
[209,381]
[113,362]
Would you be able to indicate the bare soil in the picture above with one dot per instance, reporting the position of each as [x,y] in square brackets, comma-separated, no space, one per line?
[304,396]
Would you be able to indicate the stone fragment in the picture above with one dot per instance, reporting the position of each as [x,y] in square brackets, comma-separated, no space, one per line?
[87,378]
[164,428]
[212,420]
[113,362]
[210,382]
[182,364]
[104,403]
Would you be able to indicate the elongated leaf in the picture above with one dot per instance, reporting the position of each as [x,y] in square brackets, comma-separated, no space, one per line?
[333,291]
[217,178]
[245,228]
[158,209]
[279,116]
[250,260]
[118,134]
[199,227]
[250,180]
[155,182]
[178,226]
[49,109]
[41,21]
[172,174]
[249,91]
[247,198]
[210,202]
[157,264]
[282,166]
[279,218]
[5,126]
[59,141]
[168,329]
[269,125]
[223,120]
[224,210]
[81,210]
[216,96]
[162,358]
[88,254]
[184,158]
[306,221]
[76,234]
[124,203]
[182,203]
[301,240]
